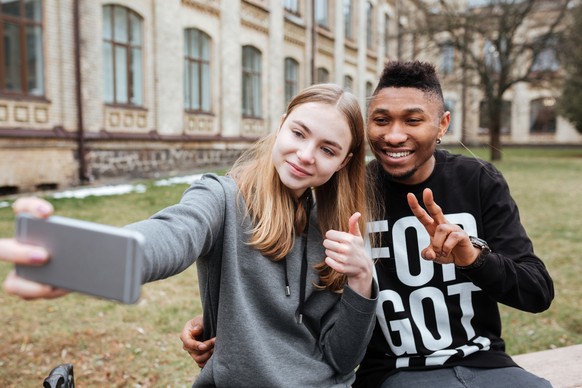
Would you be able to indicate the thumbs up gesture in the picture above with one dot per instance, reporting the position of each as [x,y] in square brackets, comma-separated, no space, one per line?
[347,254]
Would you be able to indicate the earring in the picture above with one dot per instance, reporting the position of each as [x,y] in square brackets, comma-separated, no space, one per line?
[438,141]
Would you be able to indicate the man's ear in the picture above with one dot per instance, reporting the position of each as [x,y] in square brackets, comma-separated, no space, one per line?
[444,124]
[345,162]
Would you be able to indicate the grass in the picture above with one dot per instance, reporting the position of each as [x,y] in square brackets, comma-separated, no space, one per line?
[139,346]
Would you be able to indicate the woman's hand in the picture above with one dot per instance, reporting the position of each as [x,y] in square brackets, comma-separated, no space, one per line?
[347,254]
[12,251]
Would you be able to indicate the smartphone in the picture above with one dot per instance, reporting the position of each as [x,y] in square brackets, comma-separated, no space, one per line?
[87,257]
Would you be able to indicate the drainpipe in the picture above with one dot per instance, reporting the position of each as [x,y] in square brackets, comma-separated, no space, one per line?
[78,94]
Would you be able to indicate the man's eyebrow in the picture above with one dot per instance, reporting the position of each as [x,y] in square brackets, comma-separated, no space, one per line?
[407,110]
[326,141]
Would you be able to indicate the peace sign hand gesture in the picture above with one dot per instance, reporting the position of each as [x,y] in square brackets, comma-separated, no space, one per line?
[449,243]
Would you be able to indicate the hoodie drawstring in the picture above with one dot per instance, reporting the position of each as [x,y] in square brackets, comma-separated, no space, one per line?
[304,264]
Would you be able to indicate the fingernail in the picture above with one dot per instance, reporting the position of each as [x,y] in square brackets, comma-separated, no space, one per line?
[37,256]
[43,209]
[202,347]
[196,327]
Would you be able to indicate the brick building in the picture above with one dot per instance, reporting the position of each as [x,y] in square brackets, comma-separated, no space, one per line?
[95,89]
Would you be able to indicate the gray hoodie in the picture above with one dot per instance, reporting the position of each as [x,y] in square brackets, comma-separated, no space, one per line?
[260,341]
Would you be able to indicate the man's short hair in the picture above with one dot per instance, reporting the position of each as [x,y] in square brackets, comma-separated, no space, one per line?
[411,74]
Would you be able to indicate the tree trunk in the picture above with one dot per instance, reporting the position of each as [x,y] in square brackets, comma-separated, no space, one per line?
[495,145]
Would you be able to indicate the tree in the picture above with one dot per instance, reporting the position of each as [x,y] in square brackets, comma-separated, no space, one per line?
[569,105]
[501,43]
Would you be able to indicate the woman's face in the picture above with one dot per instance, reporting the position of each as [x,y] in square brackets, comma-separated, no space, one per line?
[312,144]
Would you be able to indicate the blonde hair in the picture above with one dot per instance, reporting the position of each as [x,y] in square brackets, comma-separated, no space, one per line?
[276,215]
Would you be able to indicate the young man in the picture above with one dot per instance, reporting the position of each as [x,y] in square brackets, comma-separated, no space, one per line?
[441,271]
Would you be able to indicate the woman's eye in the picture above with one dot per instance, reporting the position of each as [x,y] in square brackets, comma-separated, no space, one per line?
[328,151]
[297,133]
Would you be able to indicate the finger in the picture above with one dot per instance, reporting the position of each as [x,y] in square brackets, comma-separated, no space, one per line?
[421,214]
[14,252]
[428,254]
[202,359]
[188,337]
[336,265]
[26,289]
[435,210]
[355,225]
[35,206]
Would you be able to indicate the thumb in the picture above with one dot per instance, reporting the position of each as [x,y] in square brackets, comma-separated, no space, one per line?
[355,225]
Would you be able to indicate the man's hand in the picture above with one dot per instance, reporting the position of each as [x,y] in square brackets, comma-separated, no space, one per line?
[198,350]
[449,243]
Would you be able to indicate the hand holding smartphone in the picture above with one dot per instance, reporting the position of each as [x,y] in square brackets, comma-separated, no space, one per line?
[95,259]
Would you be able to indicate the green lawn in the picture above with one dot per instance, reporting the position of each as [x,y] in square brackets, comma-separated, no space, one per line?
[117,345]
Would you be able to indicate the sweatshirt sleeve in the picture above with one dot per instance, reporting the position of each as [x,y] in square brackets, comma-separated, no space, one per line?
[512,274]
[178,235]
[348,329]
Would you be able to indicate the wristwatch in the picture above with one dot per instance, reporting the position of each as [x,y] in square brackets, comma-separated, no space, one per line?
[485,250]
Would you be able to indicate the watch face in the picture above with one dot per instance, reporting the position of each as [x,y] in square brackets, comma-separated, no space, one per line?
[480,243]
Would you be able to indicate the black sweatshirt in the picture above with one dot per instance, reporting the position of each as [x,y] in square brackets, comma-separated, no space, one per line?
[431,315]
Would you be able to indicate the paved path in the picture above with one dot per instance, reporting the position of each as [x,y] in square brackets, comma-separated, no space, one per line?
[561,366]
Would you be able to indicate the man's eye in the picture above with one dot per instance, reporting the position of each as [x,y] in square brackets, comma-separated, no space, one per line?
[381,120]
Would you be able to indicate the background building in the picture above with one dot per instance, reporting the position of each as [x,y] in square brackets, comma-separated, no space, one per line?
[95,89]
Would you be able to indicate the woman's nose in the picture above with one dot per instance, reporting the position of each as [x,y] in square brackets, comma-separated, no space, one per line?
[306,155]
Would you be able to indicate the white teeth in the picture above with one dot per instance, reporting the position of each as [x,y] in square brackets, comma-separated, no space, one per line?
[398,154]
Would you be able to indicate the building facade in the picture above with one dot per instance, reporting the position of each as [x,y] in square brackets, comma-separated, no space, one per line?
[96,89]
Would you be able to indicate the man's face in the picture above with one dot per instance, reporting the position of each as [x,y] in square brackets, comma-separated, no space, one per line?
[403,126]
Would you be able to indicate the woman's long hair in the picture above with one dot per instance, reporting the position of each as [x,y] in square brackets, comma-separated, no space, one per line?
[276,215]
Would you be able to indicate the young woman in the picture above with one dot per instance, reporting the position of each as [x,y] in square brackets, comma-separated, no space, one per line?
[285,278]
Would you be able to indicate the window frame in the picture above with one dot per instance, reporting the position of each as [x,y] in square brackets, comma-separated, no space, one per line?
[369,26]
[197,61]
[22,23]
[322,75]
[547,106]
[348,14]
[130,60]
[252,102]
[321,13]
[292,6]
[291,85]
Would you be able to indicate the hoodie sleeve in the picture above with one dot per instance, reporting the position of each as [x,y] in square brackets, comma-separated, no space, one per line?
[178,235]
[348,328]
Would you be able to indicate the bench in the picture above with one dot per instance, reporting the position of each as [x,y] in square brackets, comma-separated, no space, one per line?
[561,366]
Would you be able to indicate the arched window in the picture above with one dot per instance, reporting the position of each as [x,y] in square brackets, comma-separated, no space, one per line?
[348,83]
[447,58]
[291,6]
[322,75]
[251,82]
[542,115]
[369,25]
[197,89]
[348,20]
[322,13]
[484,119]
[22,70]
[122,56]
[291,79]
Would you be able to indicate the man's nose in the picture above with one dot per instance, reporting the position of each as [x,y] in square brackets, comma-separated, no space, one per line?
[394,134]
